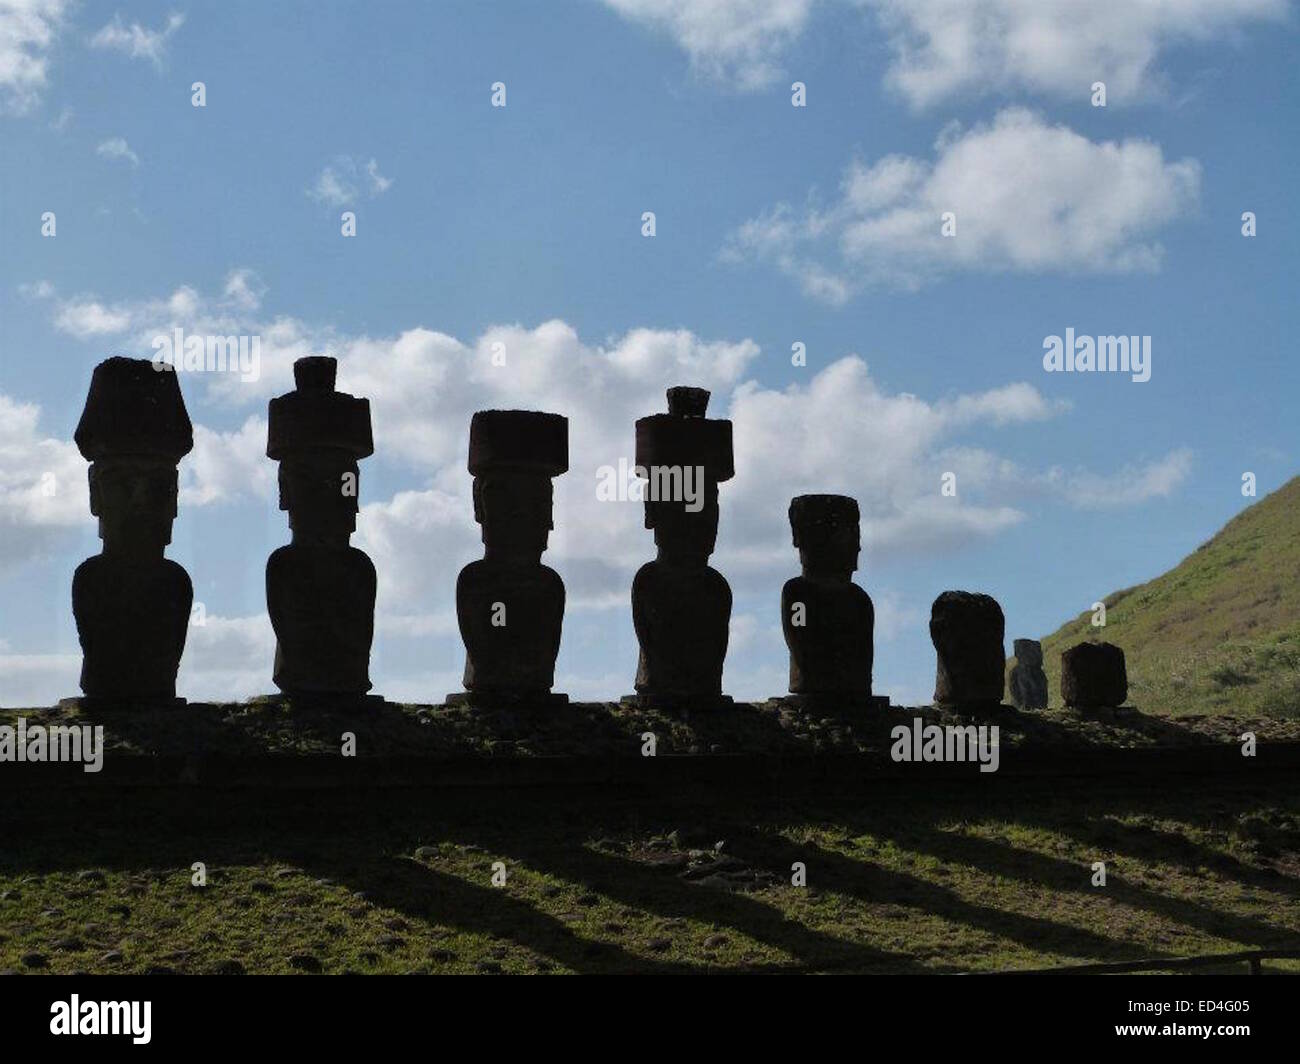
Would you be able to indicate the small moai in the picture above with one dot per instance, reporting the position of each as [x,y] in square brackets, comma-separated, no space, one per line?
[320,590]
[827,619]
[1093,675]
[509,605]
[967,630]
[1028,680]
[681,607]
[131,603]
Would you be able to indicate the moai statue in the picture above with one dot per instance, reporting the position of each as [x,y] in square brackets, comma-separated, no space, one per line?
[320,590]
[967,631]
[132,604]
[510,606]
[1028,680]
[1093,675]
[827,619]
[681,608]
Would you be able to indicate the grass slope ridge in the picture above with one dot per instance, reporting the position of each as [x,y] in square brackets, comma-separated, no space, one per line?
[1220,631]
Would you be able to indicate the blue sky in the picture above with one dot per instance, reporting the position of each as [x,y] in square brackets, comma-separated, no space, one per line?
[775,224]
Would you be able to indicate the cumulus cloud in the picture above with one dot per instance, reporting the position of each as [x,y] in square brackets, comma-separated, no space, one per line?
[137,41]
[945,48]
[117,148]
[424,385]
[1024,196]
[940,49]
[28,31]
[738,41]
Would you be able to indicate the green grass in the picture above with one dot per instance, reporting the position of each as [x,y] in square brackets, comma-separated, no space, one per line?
[949,881]
[1219,632]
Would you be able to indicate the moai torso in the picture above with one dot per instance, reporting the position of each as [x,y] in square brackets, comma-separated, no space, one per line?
[132,619]
[831,653]
[967,631]
[322,606]
[682,618]
[510,620]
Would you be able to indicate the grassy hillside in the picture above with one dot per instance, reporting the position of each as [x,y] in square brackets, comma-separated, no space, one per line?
[1219,632]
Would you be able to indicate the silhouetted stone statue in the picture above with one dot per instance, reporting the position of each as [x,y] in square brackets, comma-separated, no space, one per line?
[827,619]
[132,605]
[1093,675]
[510,606]
[967,631]
[681,608]
[1028,680]
[320,590]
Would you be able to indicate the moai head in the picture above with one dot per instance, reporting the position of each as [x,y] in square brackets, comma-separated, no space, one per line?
[133,431]
[1028,652]
[674,450]
[318,435]
[827,533]
[513,454]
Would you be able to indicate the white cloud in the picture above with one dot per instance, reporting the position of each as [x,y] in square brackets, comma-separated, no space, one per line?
[1027,196]
[737,41]
[941,49]
[228,465]
[424,386]
[342,181]
[117,148]
[227,658]
[946,48]
[84,319]
[28,30]
[35,680]
[244,289]
[36,290]
[1157,479]
[137,41]
[378,182]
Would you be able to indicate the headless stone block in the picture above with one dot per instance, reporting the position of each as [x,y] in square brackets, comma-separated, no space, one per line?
[827,619]
[1028,680]
[509,605]
[1093,675]
[967,630]
[681,607]
[132,604]
[320,590]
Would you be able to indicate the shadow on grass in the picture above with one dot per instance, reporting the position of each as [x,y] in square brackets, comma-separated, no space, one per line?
[365,842]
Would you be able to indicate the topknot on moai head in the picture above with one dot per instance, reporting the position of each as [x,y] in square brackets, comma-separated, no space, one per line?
[134,409]
[685,401]
[815,519]
[685,437]
[315,417]
[518,441]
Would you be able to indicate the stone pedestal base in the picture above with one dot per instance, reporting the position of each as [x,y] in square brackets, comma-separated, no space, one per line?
[120,705]
[835,705]
[979,710]
[321,700]
[677,703]
[497,700]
